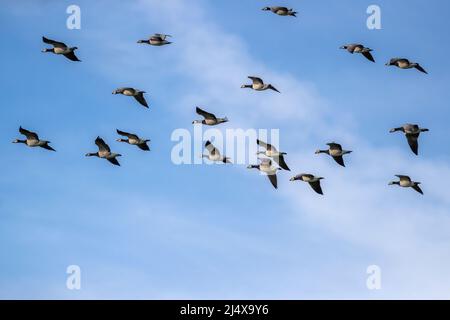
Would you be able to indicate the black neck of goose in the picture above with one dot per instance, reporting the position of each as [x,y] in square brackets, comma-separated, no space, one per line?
[21,141]
[92,154]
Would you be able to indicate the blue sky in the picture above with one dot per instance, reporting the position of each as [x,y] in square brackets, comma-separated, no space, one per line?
[151,229]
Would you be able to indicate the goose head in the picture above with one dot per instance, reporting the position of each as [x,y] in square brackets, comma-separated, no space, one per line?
[197,122]
[265,9]
[394,182]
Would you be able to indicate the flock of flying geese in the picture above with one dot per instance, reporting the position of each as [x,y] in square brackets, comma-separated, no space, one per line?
[266,166]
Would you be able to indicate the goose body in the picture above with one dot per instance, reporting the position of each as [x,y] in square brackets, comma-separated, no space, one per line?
[132,92]
[403,63]
[336,152]
[406,182]
[268,169]
[32,140]
[281,11]
[259,85]
[134,140]
[412,133]
[273,153]
[158,39]
[313,181]
[104,152]
[209,118]
[61,48]
[214,154]
[359,48]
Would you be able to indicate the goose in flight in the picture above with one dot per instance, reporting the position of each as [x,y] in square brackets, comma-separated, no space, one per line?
[281,11]
[359,48]
[266,167]
[210,119]
[336,152]
[412,133]
[259,85]
[61,48]
[32,140]
[273,153]
[313,181]
[131,92]
[157,39]
[133,140]
[214,154]
[104,152]
[406,182]
[403,63]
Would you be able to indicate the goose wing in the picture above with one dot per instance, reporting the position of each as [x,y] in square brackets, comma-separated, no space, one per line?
[102,146]
[205,114]
[29,134]
[339,159]
[417,188]
[114,161]
[54,43]
[316,186]
[71,56]
[419,67]
[413,142]
[46,146]
[281,162]
[211,149]
[161,36]
[266,146]
[256,80]
[271,87]
[273,180]
[128,135]
[369,56]
[140,98]
[334,146]
[144,146]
